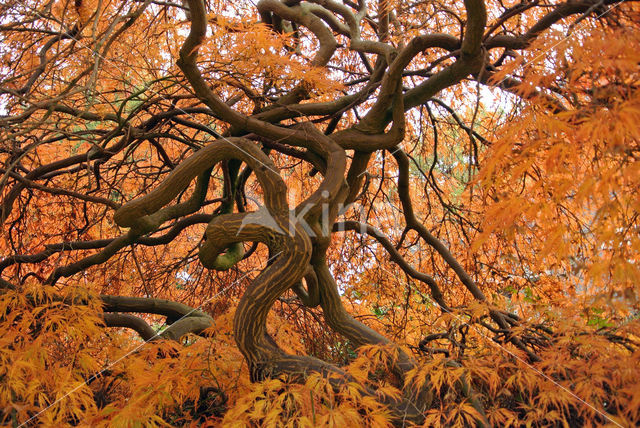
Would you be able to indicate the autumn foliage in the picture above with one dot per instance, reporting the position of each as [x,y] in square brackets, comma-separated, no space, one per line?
[320,213]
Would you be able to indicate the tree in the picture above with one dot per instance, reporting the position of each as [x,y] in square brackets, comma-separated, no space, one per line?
[416,212]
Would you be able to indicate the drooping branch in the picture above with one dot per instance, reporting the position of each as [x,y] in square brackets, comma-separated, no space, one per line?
[413,223]
[429,238]
[395,257]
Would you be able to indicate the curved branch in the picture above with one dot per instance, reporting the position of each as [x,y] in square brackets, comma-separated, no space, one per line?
[301,15]
[310,296]
[238,121]
[145,213]
[132,322]
[560,12]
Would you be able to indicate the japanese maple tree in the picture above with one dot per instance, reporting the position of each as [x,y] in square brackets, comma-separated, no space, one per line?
[320,212]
